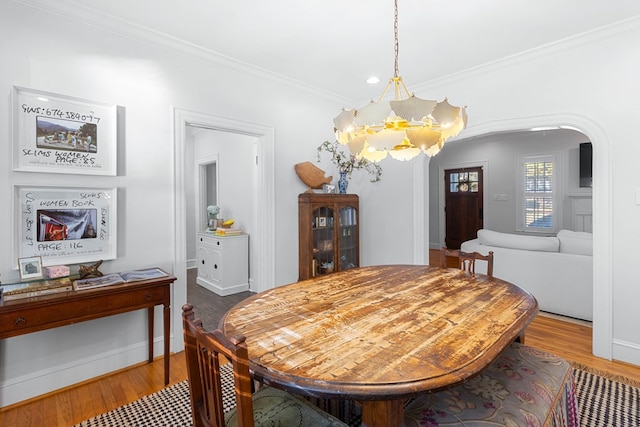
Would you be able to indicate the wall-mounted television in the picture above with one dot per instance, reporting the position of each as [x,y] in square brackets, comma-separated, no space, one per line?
[586,164]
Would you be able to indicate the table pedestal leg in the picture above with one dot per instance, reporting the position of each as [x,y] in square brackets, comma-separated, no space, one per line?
[383,413]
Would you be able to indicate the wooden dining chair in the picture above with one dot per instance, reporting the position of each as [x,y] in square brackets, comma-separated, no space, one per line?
[466,260]
[206,353]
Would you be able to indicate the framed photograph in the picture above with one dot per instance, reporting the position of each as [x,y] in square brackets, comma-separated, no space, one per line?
[65,225]
[30,268]
[322,221]
[60,134]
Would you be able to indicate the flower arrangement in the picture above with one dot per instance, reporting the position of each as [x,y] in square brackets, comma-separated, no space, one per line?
[347,163]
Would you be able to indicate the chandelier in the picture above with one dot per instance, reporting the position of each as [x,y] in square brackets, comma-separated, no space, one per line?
[403,127]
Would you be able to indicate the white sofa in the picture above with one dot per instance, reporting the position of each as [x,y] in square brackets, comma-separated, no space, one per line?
[558,270]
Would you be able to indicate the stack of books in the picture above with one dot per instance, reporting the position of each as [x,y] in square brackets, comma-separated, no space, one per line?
[221,231]
[36,288]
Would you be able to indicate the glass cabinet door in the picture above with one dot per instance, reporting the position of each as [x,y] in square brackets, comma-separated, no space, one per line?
[348,235]
[323,241]
[328,234]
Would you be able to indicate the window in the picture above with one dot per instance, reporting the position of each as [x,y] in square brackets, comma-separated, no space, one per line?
[537,196]
[463,182]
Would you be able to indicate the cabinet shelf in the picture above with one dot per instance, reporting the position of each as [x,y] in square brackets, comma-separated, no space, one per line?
[328,251]
[328,233]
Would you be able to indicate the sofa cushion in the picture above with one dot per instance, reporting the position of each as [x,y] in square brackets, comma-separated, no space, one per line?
[517,241]
[575,242]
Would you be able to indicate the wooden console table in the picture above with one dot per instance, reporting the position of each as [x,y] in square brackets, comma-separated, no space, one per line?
[26,315]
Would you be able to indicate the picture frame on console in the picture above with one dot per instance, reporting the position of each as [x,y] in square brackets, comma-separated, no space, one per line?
[65,225]
[55,133]
[30,268]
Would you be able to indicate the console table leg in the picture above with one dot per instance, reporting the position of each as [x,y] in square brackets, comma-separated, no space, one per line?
[150,332]
[167,333]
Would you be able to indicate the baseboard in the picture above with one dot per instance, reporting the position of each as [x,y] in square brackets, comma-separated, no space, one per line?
[223,292]
[626,351]
[566,318]
[60,376]
[435,246]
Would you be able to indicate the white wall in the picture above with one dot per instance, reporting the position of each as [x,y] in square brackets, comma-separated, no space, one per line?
[48,52]
[236,172]
[498,153]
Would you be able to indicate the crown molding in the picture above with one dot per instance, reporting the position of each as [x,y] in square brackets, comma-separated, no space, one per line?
[81,13]
[624,28]
[77,11]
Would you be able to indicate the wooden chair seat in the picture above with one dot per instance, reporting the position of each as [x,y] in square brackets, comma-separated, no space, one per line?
[523,386]
[205,353]
[275,407]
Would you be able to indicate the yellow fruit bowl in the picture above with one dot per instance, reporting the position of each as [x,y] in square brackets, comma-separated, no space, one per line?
[227,224]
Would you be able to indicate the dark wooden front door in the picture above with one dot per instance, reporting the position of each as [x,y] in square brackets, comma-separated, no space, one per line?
[463,205]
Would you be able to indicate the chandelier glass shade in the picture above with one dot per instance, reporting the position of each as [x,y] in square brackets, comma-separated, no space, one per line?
[403,127]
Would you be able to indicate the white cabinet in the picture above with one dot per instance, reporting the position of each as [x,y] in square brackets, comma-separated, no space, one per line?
[223,263]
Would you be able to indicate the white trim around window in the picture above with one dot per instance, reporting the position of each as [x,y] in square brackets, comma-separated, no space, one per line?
[537,196]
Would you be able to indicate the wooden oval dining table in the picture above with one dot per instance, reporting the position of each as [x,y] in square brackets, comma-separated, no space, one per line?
[379,335]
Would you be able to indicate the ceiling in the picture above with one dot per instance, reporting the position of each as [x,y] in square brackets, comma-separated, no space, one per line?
[335,45]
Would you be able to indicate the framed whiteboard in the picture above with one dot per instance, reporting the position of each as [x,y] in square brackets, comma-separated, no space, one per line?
[65,225]
[60,134]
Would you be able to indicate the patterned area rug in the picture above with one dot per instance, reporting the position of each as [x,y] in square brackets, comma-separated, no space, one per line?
[601,402]
[167,408]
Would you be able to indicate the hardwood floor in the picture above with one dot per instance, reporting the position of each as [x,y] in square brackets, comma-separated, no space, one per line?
[71,405]
[572,341]
[565,337]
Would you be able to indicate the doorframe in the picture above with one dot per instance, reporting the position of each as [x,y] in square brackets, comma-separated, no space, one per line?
[263,239]
[202,220]
[603,341]
[441,196]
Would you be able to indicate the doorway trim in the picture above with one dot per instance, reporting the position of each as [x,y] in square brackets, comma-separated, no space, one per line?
[263,238]
[202,219]
[602,211]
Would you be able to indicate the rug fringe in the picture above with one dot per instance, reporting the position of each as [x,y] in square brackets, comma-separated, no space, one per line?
[606,374]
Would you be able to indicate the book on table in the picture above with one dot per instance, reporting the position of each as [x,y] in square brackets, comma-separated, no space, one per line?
[118,278]
[36,287]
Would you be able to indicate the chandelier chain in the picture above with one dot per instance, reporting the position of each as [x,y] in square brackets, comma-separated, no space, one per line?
[395,33]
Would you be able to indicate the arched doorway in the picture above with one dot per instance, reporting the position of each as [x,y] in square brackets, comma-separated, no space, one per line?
[602,215]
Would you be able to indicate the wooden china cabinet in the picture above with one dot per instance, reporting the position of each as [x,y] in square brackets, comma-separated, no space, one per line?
[328,233]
